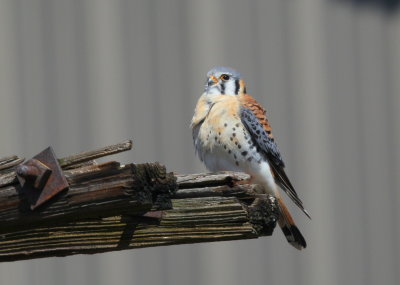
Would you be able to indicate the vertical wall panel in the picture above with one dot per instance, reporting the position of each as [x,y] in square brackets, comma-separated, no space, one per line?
[393,60]
[345,126]
[310,132]
[373,97]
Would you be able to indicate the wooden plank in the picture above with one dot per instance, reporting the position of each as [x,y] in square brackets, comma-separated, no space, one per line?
[191,220]
[9,162]
[112,207]
[106,189]
[218,213]
[8,177]
[211,179]
[77,159]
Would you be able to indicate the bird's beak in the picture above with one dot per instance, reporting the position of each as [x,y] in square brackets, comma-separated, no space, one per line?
[212,80]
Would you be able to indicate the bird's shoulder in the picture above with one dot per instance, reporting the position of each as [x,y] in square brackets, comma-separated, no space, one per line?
[249,103]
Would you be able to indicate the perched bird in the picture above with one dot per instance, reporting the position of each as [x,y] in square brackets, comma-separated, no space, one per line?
[231,132]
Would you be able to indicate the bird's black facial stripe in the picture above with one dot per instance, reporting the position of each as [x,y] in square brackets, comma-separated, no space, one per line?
[237,86]
[222,87]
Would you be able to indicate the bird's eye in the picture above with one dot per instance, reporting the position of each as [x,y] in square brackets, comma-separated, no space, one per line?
[225,77]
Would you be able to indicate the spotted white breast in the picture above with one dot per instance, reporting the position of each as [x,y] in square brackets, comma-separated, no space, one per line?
[223,143]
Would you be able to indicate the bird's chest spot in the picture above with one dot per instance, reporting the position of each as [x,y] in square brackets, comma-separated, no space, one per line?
[222,130]
[223,142]
[228,146]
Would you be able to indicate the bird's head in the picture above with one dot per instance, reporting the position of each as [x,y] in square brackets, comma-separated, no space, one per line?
[225,81]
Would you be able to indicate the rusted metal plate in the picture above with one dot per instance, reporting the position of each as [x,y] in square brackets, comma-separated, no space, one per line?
[41,178]
[34,172]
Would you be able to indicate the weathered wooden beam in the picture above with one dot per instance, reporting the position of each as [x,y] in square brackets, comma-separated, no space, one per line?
[77,159]
[216,208]
[7,170]
[8,164]
[112,207]
[108,189]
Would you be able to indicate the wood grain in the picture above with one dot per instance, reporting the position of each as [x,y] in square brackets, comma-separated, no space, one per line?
[111,207]
[106,189]
[77,159]
[198,214]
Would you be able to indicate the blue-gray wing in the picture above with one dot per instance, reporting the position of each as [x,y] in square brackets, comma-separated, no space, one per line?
[260,131]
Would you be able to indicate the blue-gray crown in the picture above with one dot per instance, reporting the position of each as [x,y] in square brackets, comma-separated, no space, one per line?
[223,69]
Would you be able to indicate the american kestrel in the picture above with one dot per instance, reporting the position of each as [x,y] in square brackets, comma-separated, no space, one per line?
[231,132]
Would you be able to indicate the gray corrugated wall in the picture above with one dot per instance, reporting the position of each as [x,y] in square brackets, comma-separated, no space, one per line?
[82,74]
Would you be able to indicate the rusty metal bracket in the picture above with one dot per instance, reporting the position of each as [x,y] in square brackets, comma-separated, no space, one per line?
[41,178]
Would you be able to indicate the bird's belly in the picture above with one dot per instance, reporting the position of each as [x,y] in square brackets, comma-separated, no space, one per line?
[231,148]
[226,146]
[218,159]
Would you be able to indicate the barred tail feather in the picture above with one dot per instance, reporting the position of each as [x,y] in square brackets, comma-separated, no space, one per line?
[289,229]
